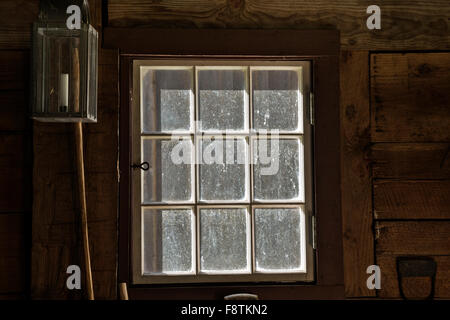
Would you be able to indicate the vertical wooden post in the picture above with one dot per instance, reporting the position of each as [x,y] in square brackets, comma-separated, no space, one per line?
[82,194]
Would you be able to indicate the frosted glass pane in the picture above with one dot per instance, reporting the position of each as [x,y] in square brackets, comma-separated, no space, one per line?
[222,100]
[277,239]
[222,171]
[276,100]
[167,241]
[167,100]
[166,181]
[278,175]
[223,240]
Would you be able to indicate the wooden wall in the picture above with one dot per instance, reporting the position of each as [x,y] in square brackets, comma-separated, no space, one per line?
[37,175]
[15,164]
[395,141]
[410,132]
[56,212]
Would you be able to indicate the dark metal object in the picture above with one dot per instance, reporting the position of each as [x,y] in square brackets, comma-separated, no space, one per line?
[144,166]
[409,267]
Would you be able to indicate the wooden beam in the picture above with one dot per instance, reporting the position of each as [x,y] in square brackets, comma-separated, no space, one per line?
[356,181]
[222,42]
[404,25]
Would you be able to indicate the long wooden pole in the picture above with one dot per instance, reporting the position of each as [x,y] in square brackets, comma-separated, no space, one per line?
[83,207]
[123,291]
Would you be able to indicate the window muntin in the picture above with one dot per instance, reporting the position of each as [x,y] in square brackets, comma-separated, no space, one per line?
[250,89]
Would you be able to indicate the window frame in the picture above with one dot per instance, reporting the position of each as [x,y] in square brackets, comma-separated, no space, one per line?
[319,46]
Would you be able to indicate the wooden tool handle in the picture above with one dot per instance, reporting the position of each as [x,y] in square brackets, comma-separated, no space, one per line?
[83,207]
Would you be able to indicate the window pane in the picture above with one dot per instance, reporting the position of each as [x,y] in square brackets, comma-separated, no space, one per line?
[170,176]
[223,172]
[167,241]
[167,100]
[277,100]
[278,170]
[222,100]
[224,240]
[278,244]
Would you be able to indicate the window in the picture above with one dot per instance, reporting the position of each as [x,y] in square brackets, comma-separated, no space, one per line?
[258,54]
[228,194]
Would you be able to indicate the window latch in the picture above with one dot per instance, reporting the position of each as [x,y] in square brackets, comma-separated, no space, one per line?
[144,166]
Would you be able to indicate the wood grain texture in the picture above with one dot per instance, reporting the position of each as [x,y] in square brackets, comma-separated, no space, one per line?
[12,253]
[413,287]
[13,111]
[411,199]
[356,181]
[411,160]
[13,173]
[424,238]
[16,19]
[413,238]
[410,96]
[56,224]
[405,24]
[14,70]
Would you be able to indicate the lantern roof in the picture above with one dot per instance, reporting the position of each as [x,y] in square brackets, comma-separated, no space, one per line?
[56,10]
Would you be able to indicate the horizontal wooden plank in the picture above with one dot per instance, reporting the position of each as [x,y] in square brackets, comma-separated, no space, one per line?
[404,25]
[410,96]
[411,160]
[413,237]
[12,253]
[413,287]
[16,19]
[411,199]
[13,111]
[14,70]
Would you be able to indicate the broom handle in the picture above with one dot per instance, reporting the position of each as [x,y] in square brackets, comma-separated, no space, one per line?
[82,193]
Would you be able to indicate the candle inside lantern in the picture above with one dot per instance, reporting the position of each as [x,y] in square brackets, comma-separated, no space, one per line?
[64,92]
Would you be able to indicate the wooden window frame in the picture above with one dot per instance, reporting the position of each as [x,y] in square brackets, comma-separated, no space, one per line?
[319,46]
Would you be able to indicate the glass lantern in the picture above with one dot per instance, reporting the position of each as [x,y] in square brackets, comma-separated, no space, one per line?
[65,64]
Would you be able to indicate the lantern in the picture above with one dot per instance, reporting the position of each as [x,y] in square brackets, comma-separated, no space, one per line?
[65,63]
